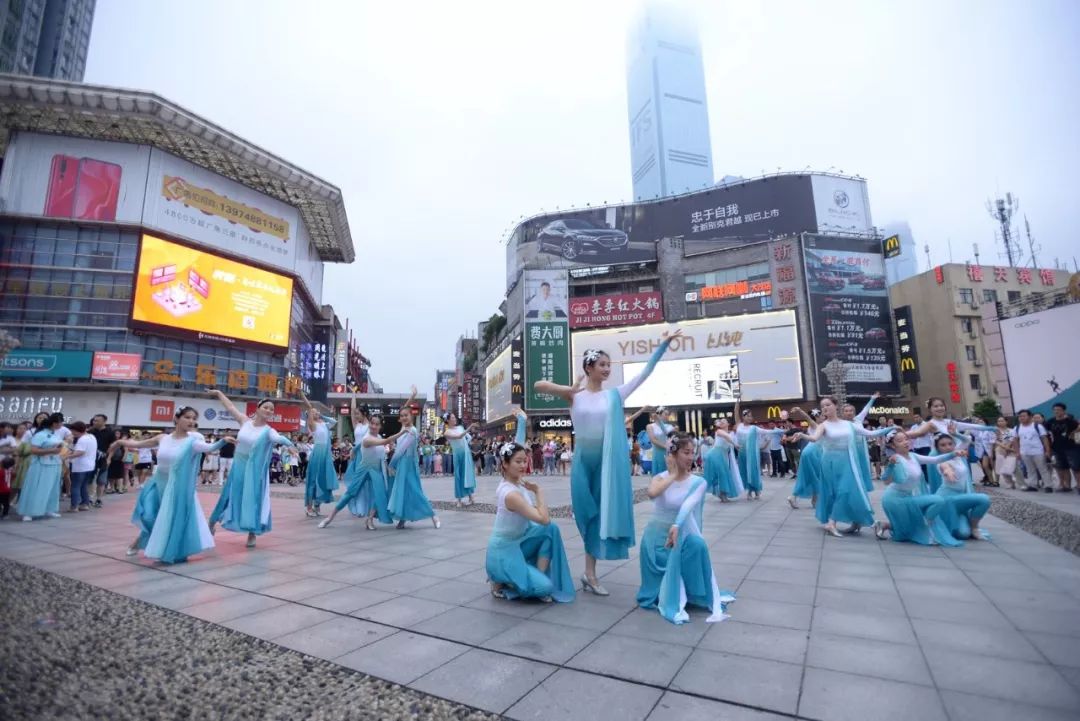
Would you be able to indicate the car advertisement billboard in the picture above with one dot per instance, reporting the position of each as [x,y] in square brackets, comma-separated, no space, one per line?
[601,311]
[1041,360]
[755,355]
[849,312]
[201,296]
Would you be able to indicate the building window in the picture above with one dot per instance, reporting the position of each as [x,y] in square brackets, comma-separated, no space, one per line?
[989,295]
[974,380]
[752,272]
[970,351]
[1014,296]
[965,325]
[966,296]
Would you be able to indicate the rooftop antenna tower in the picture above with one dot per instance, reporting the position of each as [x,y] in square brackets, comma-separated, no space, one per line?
[1002,210]
[1032,248]
[926,249]
[975,246]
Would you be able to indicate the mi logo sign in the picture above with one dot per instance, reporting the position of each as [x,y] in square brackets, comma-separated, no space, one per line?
[891,246]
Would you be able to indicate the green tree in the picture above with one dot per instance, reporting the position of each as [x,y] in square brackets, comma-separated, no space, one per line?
[987,409]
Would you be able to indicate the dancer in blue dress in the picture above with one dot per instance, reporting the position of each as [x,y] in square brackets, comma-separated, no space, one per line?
[407,500]
[40,494]
[676,569]
[464,469]
[940,422]
[366,495]
[808,475]
[244,505]
[321,479]
[843,496]
[525,556]
[167,513]
[848,413]
[751,440]
[964,508]
[600,486]
[659,429]
[913,515]
[720,466]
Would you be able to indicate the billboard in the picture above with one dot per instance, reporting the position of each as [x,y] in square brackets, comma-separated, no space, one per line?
[755,355]
[1040,355]
[909,352]
[497,381]
[601,311]
[314,365]
[841,205]
[195,294]
[849,312]
[547,335]
[116,366]
[30,363]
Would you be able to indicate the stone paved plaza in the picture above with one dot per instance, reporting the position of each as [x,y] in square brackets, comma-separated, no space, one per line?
[823,628]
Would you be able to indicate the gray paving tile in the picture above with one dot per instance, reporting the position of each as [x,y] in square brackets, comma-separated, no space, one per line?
[363,574]
[965,591]
[241,603]
[1034,600]
[1060,622]
[546,642]
[446,569]
[845,623]
[486,680]
[1059,650]
[1029,683]
[836,696]
[632,659]
[648,624]
[404,563]
[278,621]
[177,598]
[403,611]
[981,640]
[456,592]
[882,659]
[348,599]
[979,613]
[401,582]
[930,575]
[771,591]
[966,707]
[466,625]
[335,637]
[782,575]
[753,681]
[302,589]
[402,657]
[859,601]
[856,582]
[522,609]
[259,581]
[772,613]
[679,707]
[570,695]
[747,639]
[584,612]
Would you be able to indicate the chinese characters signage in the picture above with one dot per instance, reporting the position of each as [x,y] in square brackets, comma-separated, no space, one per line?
[905,338]
[849,312]
[314,361]
[547,336]
[116,366]
[601,311]
[954,382]
[782,257]
[742,289]
[1023,276]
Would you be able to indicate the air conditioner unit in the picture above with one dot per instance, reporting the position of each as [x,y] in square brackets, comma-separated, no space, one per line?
[692,297]
[977,363]
[974,305]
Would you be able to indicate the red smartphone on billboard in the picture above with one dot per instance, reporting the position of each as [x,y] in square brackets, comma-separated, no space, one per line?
[98,190]
[63,179]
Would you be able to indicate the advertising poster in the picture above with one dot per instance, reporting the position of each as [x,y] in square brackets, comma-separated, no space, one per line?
[849,312]
[1040,379]
[905,338]
[314,366]
[547,335]
[842,205]
[600,311]
[755,355]
[287,417]
[29,363]
[198,295]
[116,366]
[497,386]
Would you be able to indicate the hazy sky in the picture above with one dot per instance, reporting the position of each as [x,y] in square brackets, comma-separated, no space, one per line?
[443,123]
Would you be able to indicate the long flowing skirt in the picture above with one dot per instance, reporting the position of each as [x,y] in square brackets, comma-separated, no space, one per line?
[959,509]
[750,468]
[407,500]
[366,491]
[843,497]
[585,497]
[40,494]
[670,581]
[464,473]
[512,562]
[244,505]
[722,478]
[659,460]
[180,529]
[808,477]
[320,482]
[915,518]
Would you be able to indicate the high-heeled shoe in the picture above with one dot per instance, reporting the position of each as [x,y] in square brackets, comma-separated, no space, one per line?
[370,523]
[436,522]
[879,530]
[831,531]
[792,502]
[596,588]
[324,523]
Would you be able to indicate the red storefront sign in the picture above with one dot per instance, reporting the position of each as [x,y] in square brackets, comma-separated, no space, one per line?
[162,411]
[286,416]
[116,366]
[598,311]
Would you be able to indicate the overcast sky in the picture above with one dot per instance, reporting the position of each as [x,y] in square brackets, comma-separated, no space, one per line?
[444,122]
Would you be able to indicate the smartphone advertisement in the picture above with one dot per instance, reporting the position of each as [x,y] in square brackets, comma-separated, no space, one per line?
[201,296]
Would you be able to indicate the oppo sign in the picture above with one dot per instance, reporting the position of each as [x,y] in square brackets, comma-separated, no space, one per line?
[555,423]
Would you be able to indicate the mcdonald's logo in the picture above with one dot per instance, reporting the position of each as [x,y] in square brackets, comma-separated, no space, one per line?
[773,412]
[907,364]
[891,246]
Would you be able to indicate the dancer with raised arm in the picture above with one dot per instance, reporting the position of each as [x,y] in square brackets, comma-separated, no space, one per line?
[720,466]
[964,508]
[843,490]
[600,487]
[939,422]
[675,566]
[659,430]
[751,440]
[525,556]
[913,514]
[40,494]
[808,476]
[167,513]
[244,505]
[407,500]
[464,470]
[321,479]
[366,495]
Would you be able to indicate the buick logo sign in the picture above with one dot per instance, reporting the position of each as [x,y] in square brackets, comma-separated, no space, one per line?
[841,199]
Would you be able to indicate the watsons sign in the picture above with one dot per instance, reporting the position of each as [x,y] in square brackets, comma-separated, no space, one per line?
[26,363]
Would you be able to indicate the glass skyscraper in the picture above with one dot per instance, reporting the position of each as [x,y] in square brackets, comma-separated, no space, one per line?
[47,38]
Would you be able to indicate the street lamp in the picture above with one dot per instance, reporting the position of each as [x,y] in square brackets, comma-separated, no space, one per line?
[836,371]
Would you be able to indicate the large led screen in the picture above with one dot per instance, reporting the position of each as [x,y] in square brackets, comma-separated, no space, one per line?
[198,295]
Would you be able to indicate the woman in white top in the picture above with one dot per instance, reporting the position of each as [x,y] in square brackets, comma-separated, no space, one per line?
[659,430]
[1006,449]
[321,479]
[913,514]
[525,556]
[939,422]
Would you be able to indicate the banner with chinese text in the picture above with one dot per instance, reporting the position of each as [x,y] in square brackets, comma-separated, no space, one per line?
[603,311]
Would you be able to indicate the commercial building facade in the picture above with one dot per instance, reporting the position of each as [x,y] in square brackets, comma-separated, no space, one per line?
[47,38]
[164,254]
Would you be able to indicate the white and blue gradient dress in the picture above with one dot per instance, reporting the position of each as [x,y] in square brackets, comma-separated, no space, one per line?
[517,544]
[808,476]
[601,490]
[942,426]
[366,478]
[321,480]
[845,471]
[672,578]
[40,494]
[751,441]
[244,505]
[407,500]
[176,529]
[464,468]
[721,470]
[914,514]
[962,504]
[659,460]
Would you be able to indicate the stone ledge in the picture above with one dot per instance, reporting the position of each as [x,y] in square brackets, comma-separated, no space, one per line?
[1057,527]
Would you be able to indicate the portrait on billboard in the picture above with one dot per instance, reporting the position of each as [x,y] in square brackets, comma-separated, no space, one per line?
[545,295]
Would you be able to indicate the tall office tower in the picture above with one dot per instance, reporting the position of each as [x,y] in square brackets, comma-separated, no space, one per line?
[48,38]
[670,151]
[906,264]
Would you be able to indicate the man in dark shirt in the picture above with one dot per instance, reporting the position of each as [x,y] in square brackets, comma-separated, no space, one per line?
[104,435]
[225,459]
[1061,428]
